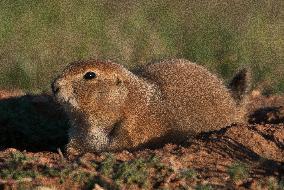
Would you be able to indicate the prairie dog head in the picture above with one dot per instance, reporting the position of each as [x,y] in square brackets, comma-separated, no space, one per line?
[93,93]
[96,89]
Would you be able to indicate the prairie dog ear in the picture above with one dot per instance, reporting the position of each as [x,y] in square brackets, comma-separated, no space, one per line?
[118,81]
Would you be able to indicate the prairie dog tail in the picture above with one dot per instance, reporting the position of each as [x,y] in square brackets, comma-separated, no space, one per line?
[239,87]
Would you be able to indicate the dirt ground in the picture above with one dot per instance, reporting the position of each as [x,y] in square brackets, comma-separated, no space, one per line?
[240,156]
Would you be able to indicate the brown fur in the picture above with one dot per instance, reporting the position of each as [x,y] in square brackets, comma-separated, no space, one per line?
[167,101]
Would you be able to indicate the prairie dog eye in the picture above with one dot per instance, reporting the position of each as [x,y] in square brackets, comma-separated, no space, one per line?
[90,75]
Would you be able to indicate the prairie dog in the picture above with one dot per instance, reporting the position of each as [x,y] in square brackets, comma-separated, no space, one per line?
[112,108]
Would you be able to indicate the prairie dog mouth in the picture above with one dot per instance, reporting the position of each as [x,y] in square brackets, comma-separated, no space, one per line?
[70,101]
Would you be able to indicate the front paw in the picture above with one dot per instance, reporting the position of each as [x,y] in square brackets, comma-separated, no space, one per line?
[118,144]
[72,152]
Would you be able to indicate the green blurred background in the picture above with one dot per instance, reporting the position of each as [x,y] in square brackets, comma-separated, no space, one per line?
[38,38]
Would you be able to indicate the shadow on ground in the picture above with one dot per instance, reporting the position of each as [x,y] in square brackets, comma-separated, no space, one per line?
[232,142]
[32,123]
[271,115]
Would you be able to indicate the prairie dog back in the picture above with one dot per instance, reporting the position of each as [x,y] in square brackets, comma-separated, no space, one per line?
[195,100]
